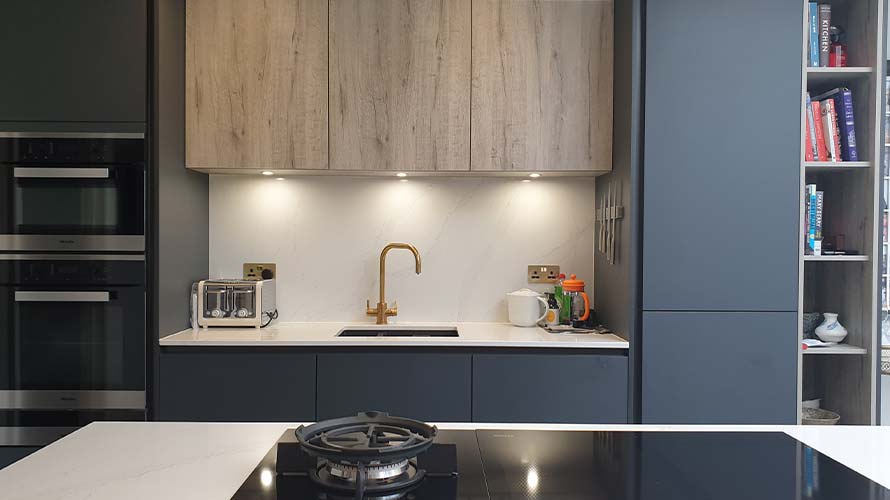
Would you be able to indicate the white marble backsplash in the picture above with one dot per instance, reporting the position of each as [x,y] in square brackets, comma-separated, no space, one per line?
[475,236]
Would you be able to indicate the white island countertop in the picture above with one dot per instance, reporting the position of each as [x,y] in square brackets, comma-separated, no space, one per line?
[199,461]
[325,335]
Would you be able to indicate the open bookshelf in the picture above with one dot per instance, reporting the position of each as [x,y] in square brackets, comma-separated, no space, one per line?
[845,376]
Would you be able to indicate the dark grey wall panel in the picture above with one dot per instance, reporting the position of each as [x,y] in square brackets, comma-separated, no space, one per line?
[12,454]
[82,61]
[721,167]
[571,388]
[719,368]
[225,386]
[432,387]
[616,286]
[182,196]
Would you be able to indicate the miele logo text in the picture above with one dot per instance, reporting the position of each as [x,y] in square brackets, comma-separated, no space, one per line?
[70,242]
[503,435]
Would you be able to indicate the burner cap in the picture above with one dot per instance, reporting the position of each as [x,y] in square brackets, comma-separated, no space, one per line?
[370,438]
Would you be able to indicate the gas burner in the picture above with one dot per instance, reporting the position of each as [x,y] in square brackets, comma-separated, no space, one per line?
[371,453]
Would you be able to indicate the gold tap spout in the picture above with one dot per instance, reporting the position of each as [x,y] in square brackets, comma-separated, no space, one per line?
[382,312]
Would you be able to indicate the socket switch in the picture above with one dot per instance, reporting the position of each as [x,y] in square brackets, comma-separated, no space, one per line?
[543,274]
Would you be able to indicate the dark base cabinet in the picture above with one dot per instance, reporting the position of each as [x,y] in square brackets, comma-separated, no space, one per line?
[212,385]
[562,388]
[432,387]
[12,454]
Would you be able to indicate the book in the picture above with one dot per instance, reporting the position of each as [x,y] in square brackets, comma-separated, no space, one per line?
[846,123]
[829,128]
[824,34]
[811,219]
[811,153]
[820,199]
[814,35]
[821,145]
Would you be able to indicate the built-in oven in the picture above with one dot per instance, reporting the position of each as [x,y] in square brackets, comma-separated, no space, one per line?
[72,192]
[72,343]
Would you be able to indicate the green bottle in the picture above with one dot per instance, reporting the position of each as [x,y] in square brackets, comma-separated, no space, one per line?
[564,310]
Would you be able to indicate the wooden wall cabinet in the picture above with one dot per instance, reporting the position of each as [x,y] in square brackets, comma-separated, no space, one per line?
[542,85]
[399,89]
[256,84]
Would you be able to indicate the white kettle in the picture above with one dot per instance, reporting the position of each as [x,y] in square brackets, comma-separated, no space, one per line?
[526,307]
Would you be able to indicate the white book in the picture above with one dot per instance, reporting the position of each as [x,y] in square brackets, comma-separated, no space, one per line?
[828,130]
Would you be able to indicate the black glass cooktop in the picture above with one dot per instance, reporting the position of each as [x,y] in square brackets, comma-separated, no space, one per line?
[562,465]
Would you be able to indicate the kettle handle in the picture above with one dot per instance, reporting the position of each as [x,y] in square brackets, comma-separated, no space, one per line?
[586,307]
[546,307]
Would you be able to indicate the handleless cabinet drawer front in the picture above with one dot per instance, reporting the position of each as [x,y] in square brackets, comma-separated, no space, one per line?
[542,85]
[400,84]
[221,385]
[434,387]
[558,388]
[256,84]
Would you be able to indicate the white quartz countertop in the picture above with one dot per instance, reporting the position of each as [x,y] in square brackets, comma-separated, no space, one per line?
[325,334]
[199,461]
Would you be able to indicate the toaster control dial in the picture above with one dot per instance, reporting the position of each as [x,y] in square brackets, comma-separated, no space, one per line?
[216,313]
[241,313]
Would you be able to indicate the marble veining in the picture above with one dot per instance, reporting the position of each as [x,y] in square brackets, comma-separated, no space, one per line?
[476,236]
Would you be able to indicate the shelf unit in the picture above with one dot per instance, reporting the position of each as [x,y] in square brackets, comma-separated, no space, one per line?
[845,376]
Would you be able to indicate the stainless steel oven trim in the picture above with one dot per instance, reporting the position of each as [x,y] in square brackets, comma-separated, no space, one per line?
[60,296]
[32,436]
[82,243]
[73,135]
[70,256]
[60,173]
[72,400]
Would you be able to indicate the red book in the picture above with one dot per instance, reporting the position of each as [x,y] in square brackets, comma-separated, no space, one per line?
[829,125]
[821,146]
[808,144]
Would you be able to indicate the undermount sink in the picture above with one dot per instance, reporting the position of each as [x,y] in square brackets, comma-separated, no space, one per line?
[398,332]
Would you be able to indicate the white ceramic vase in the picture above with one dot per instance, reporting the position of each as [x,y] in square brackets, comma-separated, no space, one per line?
[830,330]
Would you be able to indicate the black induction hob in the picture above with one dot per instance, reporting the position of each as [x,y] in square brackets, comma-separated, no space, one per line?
[567,465]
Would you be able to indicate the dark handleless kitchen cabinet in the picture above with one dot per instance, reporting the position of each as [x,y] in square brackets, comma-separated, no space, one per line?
[434,387]
[721,155]
[558,388]
[218,385]
[719,368]
[66,61]
[721,196]
[11,454]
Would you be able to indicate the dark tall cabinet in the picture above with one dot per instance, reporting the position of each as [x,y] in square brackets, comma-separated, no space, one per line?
[720,210]
[79,62]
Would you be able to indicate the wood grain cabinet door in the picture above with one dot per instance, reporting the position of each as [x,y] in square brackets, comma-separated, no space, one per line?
[400,84]
[256,84]
[542,85]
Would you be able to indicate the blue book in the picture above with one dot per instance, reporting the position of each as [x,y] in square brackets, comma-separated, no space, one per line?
[843,105]
[811,219]
[814,35]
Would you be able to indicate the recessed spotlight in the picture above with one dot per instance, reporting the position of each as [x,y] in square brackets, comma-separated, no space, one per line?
[526,180]
[279,178]
[534,175]
[267,172]
[403,180]
[401,174]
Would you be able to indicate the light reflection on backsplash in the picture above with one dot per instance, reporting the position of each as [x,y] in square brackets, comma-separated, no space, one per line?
[476,237]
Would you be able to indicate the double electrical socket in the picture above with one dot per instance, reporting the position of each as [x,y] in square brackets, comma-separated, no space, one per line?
[258,271]
[543,274]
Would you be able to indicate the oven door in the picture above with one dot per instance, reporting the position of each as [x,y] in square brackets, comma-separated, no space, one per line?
[72,207]
[68,347]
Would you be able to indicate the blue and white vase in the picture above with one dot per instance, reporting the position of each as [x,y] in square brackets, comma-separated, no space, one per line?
[830,330]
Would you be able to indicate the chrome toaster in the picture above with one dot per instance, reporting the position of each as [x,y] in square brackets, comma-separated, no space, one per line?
[234,302]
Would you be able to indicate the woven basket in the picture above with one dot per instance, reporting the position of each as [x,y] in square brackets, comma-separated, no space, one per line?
[885,360]
[816,416]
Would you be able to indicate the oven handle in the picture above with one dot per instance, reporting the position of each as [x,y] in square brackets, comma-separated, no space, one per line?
[28,296]
[60,173]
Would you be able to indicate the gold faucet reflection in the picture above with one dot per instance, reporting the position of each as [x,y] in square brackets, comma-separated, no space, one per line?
[382,312]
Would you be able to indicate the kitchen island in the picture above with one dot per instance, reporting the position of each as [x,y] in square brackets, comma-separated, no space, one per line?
[192,461]
[490,372]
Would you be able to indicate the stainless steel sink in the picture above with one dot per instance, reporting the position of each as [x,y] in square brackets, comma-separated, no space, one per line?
[384,331]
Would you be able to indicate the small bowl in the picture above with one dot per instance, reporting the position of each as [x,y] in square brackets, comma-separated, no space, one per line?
[816,416]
